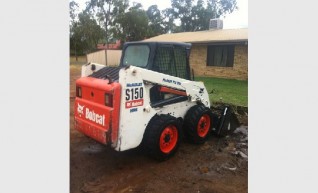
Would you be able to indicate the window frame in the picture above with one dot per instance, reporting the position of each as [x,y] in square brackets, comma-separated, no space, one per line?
[211,51]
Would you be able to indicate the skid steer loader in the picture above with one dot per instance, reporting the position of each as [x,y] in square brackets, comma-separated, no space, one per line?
[148,99]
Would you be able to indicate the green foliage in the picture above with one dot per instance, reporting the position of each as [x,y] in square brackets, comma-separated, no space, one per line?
[73,7]
[226,90]
[131,25]
[85,34]
[196,17]
[107,20]
[106,12]
[156,21]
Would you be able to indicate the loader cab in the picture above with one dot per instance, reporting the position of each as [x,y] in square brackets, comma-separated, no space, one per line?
[165,57]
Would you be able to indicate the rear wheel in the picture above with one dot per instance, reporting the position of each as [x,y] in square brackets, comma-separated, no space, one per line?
[198,123]
[162,137]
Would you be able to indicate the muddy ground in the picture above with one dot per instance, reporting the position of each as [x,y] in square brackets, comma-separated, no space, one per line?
[218,166]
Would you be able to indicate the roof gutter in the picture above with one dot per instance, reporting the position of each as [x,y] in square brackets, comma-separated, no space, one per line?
[228,42]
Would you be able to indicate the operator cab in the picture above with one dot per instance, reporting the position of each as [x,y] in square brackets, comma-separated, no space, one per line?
[165,57]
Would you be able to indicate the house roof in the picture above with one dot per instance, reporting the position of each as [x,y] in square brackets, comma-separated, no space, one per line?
[208,36]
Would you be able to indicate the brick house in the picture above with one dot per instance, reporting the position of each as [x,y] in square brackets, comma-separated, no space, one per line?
[217,53]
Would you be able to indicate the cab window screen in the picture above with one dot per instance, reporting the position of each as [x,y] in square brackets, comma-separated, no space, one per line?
[164,61]
[181,62]
[136,55]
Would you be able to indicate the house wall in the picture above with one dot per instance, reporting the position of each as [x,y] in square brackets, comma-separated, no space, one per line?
[113,57]
[239,70]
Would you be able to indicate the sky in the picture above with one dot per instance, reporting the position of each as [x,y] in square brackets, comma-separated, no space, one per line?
[237,19]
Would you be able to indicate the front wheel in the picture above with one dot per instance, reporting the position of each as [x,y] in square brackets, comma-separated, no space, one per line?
[198,123]
[162,137]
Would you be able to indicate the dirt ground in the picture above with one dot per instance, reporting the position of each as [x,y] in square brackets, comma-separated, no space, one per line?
[218,166]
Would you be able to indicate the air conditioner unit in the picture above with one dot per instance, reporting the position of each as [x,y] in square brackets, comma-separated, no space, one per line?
[215,24]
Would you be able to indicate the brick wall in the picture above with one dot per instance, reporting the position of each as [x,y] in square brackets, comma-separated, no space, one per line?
[238,71]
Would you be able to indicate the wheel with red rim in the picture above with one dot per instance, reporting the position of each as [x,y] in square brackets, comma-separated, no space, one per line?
[203,126]
[168,138]
[162,137]
[197,123]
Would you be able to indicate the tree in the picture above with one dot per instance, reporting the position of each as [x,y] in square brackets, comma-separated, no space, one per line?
[196,17]
[105,11]
[168,21]
[73,7]
[156,22]
[201,16]
[182,9]
[131,25]
[86,34]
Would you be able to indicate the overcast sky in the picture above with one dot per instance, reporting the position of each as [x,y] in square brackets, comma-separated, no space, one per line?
[237,19]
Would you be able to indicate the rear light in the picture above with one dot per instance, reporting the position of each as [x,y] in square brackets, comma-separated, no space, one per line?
[79,91]
[108,100]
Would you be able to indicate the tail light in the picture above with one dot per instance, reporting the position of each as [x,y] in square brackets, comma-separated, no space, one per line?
[79,92]
[108,100]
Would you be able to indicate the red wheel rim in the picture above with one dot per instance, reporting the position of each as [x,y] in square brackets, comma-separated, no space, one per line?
[204,125]
[168,138]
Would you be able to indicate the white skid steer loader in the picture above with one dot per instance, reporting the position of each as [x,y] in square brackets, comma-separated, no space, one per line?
[148,99]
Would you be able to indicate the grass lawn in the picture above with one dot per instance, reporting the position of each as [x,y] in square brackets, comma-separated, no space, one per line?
[231,91]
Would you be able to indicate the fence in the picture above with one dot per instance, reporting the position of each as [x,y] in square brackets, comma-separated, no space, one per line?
[99,57]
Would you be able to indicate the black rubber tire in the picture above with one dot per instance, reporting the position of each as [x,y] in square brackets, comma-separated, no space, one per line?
[151,139]
[191,122]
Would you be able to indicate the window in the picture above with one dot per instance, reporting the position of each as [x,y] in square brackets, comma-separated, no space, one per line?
[136,55]
[221,55]
[171,60]
[181,62]
[164,61]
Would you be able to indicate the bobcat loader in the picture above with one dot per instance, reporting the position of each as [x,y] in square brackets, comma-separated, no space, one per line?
[148,99]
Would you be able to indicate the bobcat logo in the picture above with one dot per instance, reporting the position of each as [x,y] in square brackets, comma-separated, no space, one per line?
[80,109]
[90,115]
